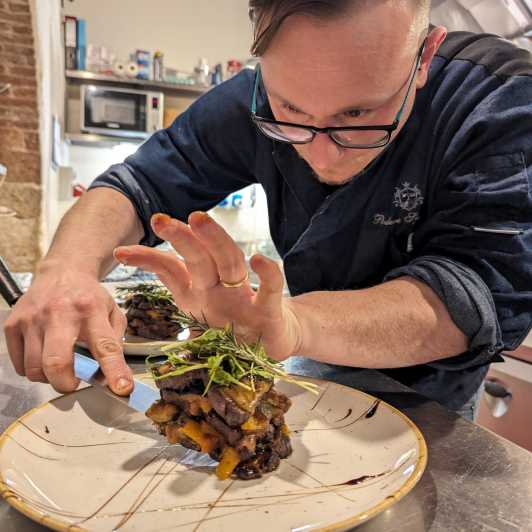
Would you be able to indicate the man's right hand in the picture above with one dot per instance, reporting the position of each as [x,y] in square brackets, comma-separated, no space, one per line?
[59,308]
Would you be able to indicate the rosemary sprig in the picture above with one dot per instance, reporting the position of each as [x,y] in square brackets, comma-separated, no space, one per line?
[228,360]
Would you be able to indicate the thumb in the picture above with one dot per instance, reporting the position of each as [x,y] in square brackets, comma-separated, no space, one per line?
[106,347]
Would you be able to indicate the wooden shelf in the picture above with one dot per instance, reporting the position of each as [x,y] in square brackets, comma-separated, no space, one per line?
[81,75]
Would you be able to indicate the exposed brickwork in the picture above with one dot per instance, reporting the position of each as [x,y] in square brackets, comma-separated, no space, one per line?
[19,138]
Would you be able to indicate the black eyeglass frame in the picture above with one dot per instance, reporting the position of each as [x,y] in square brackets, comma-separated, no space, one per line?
[389,128]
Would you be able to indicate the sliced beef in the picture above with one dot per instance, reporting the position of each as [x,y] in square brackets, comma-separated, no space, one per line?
[226,408]
[235,404]
[174,435]
[255,467]
[246,447]
[192,404]
[232,435]
[191,380]
[274,405]
[248,470]
[269,462]
[268,436]
[277,400]
[282,446]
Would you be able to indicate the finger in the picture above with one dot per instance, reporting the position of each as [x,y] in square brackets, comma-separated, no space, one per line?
[33,356]
[198,260]
[106,347]
[15,346]
[270,293]
[57,354]
[118,322]
[170,269]
[229,258]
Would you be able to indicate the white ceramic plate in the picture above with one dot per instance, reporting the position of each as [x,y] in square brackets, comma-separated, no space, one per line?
[85,461]
[137,346]
[142,347]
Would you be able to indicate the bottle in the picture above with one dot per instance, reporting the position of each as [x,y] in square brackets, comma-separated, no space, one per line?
[158,67]
[216,78]
[202,72]
[233,67]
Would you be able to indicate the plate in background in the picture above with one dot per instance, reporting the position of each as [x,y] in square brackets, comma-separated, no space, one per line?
[142,347]
[137,346]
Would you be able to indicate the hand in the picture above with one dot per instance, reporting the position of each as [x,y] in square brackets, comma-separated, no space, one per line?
[59,308]
[210,255]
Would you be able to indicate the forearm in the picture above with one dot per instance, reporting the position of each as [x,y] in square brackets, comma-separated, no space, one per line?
[101,220]
[398,323]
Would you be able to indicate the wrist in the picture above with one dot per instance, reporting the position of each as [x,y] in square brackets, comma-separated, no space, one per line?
[295,321]
[54,264]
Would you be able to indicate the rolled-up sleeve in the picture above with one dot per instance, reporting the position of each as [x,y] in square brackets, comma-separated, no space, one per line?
[473,246]
[207,153]
[475,252]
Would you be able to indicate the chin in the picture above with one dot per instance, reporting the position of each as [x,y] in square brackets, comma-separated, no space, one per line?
[333,179]
[343,173]
[339,177]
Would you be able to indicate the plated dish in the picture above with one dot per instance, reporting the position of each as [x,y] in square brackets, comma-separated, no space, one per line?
[85,461]
[152,318]
[218,396]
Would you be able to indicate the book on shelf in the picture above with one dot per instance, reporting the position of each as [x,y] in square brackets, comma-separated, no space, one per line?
[75,43]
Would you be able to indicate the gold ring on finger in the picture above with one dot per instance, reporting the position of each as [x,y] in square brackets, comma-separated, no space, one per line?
[238,284]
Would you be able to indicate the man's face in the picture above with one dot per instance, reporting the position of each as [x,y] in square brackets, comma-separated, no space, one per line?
[348,71]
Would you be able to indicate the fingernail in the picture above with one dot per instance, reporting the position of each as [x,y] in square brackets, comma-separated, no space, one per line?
[200,218]
[120,256]
[123,384]
[160,220]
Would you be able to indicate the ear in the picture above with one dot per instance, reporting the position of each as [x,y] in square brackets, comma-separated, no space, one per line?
[433,42]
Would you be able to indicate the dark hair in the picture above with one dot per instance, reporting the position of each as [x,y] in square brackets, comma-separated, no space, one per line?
[268,15]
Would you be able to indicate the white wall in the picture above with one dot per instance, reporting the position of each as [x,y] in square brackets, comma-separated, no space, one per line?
[183,30]
[89,162]
[51,83]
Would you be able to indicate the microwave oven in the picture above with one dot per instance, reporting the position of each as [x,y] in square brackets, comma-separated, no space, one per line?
[121,112]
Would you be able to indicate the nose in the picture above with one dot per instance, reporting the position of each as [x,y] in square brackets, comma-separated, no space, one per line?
[323,152]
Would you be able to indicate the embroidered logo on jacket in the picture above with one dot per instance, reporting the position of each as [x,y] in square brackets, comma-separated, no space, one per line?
[408,198]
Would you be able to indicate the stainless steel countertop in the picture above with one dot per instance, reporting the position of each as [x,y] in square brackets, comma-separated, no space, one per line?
[474,481]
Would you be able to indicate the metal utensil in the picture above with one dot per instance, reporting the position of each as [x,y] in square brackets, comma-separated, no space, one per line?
[9,289]
[88,370]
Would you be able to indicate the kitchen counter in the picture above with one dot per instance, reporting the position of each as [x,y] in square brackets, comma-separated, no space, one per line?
[474,481]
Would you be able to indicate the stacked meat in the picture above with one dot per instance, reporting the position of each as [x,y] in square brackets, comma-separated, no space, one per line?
[151,318]
[242,429]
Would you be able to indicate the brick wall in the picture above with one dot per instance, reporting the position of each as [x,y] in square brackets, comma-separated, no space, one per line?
[20,194]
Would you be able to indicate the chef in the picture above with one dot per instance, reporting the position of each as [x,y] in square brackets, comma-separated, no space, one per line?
[396,161]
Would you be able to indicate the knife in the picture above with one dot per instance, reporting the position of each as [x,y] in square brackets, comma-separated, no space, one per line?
[88,370]
[85,368]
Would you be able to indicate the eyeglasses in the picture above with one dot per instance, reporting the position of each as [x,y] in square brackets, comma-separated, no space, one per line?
[360,137]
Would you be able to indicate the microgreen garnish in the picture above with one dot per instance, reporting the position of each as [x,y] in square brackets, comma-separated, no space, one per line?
[228,360]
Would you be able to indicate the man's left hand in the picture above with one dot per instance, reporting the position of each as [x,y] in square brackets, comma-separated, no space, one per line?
[210,282]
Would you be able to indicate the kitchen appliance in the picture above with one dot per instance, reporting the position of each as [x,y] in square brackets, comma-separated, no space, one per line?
[505,408]
[121,112]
